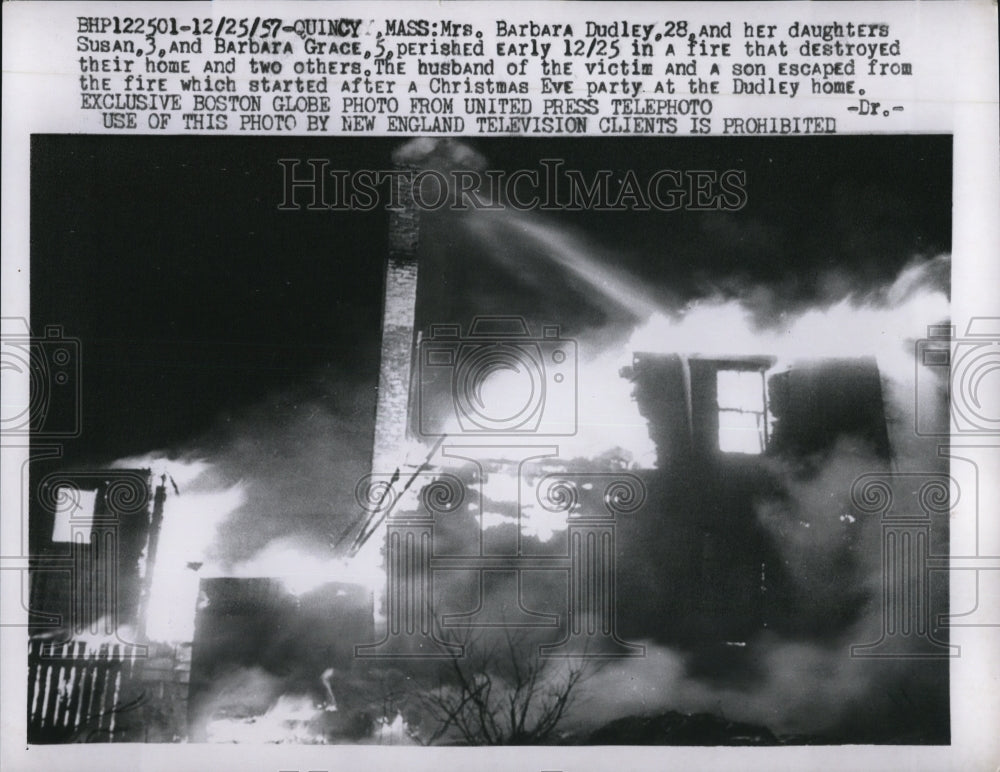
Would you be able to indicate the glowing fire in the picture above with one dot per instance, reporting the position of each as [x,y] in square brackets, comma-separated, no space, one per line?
[743,418]
[190,522]
[290,720]
[297,719]
[301,571]
[883,327]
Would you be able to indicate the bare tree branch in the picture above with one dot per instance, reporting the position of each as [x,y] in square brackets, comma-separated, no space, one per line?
[500,692]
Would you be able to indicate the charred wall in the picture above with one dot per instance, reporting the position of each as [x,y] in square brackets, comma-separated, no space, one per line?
[95,573]
[699,566]
[816,403]
[254,629]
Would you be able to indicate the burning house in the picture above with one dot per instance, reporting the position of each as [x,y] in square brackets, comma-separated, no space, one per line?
[585,467]
[721,426]
[91,666]
[89,537]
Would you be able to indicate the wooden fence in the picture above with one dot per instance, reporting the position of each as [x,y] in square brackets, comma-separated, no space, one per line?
[78,692]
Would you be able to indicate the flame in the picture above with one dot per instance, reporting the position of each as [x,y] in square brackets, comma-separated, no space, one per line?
[188,532]
[608,417]
[298,719]
[301,571]
[882,325]
[393,732]
[290,720]
[182,471]
[505,486]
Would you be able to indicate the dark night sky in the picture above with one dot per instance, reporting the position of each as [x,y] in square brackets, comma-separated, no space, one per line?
[196,299]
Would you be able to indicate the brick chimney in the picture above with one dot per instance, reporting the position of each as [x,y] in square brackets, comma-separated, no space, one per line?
[399,306]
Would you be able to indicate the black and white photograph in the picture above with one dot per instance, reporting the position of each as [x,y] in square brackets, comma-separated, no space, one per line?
[556,386]
[507,441]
